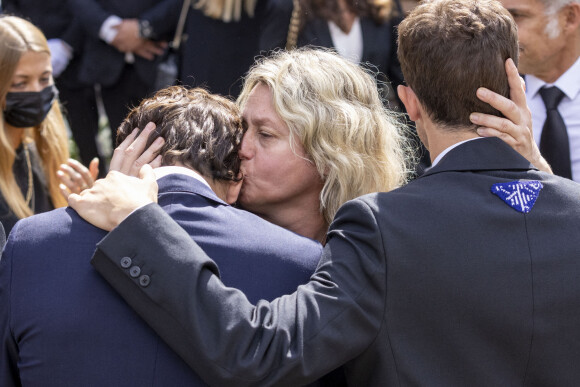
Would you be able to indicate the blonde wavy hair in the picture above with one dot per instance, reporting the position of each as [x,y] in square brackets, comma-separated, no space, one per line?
[18,36]
[333,108]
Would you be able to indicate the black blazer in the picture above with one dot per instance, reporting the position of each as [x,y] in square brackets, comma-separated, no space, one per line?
[102,63]
[438,283]
[217,54]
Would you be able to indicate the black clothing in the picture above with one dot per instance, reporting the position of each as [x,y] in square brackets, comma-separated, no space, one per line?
[40,201]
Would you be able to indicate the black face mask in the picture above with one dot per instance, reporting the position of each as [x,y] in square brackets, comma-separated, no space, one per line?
[29,108]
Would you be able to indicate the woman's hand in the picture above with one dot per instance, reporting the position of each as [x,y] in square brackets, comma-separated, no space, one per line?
[131,155]
[516,128]
[75,177]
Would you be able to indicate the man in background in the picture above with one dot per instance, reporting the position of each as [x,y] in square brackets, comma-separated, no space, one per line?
[123,41]
[549,38]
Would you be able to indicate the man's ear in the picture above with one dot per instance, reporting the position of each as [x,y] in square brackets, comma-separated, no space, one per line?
[572,13]
[409,99]
[233,190]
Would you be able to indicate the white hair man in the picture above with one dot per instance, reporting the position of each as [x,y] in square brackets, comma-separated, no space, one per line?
[549,37]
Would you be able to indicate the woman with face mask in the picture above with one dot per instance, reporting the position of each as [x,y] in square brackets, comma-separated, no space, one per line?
[33,138]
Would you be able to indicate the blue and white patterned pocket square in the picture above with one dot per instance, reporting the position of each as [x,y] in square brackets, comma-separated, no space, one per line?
[519,195]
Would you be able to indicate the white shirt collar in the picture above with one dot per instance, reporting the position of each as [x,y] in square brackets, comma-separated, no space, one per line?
[448,149]
[168,170]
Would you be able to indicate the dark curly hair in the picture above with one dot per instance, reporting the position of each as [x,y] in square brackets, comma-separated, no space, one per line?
[201,130]
[379,11]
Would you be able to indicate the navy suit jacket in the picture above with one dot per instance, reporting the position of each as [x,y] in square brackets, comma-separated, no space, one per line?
[437,283]
[62,325]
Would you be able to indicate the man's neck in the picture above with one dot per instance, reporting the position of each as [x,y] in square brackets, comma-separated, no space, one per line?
[442,138]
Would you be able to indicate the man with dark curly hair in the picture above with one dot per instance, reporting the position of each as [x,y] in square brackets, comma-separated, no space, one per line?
[61,324]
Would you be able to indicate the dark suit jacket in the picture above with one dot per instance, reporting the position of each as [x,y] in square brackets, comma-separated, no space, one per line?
[438,283]
[217,54]
[62,325]
[53,17]
[102,63]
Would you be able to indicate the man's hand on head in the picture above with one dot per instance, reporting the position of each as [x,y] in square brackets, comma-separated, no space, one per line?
[131,154]
[516,128]
[113,198]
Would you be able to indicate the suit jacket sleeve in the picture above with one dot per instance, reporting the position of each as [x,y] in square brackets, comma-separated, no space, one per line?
[291,340]
[9,375]
[50,23]
[74,36]
[164,17]
[90,14]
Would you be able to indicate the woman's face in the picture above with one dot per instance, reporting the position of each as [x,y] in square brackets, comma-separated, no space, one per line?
[33,73]
[31,94]
[275,178]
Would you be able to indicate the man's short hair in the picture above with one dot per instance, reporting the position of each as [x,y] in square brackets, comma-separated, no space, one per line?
[202,131]
[450,48]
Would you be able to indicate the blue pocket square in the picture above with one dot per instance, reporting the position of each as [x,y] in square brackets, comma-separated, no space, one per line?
[519,195]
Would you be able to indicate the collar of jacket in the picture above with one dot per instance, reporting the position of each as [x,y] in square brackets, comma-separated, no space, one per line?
[485,154]
[177,182]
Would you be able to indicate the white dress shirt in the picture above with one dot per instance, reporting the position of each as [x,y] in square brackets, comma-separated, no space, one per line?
[349,46]
[569,109]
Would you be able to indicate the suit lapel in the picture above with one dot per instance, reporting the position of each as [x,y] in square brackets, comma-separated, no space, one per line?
[318,34]
[369,36]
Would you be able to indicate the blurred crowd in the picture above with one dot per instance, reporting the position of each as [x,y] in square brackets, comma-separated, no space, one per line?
[116,48]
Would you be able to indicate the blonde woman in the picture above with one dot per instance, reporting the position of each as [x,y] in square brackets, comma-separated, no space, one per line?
[33,138]
[318,135]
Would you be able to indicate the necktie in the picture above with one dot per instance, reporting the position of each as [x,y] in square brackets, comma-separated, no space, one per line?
[554,143]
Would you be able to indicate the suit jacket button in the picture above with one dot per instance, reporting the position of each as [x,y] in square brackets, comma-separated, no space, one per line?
[126,262]
[135,271]
[144,280]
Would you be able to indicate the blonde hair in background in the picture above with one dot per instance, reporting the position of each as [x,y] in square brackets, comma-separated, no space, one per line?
[226,10]
[18,36]
[333,108]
